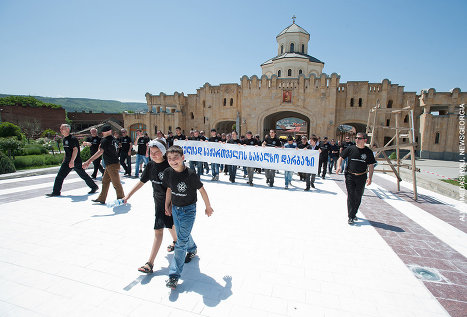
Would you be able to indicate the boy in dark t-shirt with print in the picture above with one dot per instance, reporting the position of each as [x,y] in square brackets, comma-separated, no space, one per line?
[180,202]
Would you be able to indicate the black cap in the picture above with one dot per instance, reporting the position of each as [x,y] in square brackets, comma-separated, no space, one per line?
[106,128]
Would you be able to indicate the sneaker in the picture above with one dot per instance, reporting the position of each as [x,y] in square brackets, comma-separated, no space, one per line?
[217,177]
[313,185]
[270,184]
[323,177]
[189,256]
[350,221]
[307,189]
[355,219]
[286,186]
[98,201]
[213,178]
[250,183]
[52,195]
[172,282]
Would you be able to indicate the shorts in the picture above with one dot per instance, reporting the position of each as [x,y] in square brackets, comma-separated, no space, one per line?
[162,220]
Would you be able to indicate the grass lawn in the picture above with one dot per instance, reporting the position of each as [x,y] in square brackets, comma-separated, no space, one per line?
[454,182]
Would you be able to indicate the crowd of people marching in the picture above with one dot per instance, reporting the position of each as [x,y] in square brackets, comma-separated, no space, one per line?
[329,153]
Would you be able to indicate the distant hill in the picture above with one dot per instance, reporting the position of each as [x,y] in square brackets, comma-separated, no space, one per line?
[94,105]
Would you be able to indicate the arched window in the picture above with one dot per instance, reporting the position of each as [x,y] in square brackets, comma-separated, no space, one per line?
[360,102]
[278,73]
[225,101]
[300,72]
[351,102]
[406,119]
[192,116]
[204,103]
[437,138]
[282,49]
[155,129]
[292,47]
[289,72]
[389,104]
[303,48]
[388,122]
[231,102]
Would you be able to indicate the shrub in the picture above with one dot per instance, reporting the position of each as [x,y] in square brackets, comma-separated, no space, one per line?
[6,164]
[11,146]
[33,149]
[85,154]
[48,133]
[8,129]
[22,162]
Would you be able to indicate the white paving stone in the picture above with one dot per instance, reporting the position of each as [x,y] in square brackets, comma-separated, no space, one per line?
[264,252]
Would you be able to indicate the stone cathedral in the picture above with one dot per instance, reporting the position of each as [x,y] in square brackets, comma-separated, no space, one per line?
[293,85]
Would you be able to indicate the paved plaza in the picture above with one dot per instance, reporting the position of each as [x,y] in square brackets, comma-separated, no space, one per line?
[264,252]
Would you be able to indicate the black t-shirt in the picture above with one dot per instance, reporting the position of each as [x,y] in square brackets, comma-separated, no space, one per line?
[183,186]
[110,147]
[214,139]
[125,141]
[95,141]
[236,141]
[196,138]
[142,145]
[359,159]
[180,137]
[155,173]
[69,143]
[272,141]
[346,145]
[304,146]
[170,141]
[251,141]
[334,148]
[324,149]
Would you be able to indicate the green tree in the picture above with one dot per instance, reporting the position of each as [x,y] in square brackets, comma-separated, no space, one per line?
[8,129]
[10,146]
[48,133]
[6,164]
[26,101]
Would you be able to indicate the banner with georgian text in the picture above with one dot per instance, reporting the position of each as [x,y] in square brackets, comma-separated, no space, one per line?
[304,161]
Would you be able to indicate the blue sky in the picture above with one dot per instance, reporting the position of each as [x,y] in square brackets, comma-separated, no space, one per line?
[122,49]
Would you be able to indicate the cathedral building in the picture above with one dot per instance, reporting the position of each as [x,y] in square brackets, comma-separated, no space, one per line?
[293,85]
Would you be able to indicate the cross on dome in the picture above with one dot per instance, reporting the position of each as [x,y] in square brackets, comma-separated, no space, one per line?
[293,19]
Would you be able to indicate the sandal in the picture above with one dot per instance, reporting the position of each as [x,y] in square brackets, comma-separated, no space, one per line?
[171,247]
[145,268]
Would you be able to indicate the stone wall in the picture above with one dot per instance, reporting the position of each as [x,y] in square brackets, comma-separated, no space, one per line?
[46,118]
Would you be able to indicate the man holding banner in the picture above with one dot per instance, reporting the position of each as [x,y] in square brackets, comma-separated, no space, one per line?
[249,140]
[271,141]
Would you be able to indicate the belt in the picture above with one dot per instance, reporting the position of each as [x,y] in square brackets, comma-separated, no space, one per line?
[358,174]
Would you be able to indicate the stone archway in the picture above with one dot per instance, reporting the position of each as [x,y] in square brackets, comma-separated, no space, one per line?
[350,129]
[224,126]
[270,122]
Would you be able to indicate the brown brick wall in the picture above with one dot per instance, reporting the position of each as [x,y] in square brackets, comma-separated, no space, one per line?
[48,118]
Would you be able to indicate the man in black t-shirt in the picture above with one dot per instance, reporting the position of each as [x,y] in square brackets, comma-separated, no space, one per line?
[125,151]
[214,166]
[345,145]
[250,141]
[323,156]
[108,149]
[233,168]
[170,139]
[180,202]
[178,134]
[93,142]
[333,155]
[71,160]
[360,162]
[195,164]
[142,155]
[273,141]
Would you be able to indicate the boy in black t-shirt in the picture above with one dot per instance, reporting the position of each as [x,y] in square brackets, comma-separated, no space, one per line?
[182,183]
[214,166]
[251,141]
[273,141]
[154,172]
[125,151]
[360,162]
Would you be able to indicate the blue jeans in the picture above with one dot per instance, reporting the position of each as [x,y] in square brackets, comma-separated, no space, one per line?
[140,157]
[184,218]
[288,177]
[198,166]
[215,169]
[245,171]
[344,164]
[232,172]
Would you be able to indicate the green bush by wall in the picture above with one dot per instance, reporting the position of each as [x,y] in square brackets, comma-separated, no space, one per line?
[22,162]
[6,164]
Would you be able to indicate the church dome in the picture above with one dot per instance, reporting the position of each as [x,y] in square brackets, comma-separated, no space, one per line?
[293,28]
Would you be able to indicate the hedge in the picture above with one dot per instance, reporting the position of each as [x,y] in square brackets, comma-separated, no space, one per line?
[6,164]
[22,162]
